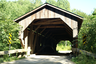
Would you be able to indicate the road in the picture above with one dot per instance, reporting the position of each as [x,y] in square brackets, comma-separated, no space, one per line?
[43,59]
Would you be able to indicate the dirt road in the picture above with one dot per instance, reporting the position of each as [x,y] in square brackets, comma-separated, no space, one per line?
[43,59]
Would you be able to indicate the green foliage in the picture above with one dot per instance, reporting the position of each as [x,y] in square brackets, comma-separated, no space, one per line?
[89,29]
[6,58]
[63,48]
[14,9]
[78,12]
[83,59]
[64,4]
[94,12]
[8,26]
[63,45]
[37,3]
[53,2]
[19,8]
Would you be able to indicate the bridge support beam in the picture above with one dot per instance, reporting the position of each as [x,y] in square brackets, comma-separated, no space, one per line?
[75,45]
[75,42]
[26,38]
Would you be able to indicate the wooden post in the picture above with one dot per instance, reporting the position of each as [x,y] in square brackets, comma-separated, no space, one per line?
[37,44]
[75,42]
[75,45]
[41,40]
[35,41]
[75,29]
[21,38]
[32,42]
[26,41]
[26,38]
[28,51]
[31,39]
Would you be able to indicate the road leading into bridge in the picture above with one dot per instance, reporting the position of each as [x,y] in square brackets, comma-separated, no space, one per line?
[43,59]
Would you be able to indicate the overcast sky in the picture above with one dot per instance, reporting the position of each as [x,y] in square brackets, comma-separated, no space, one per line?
[86,6]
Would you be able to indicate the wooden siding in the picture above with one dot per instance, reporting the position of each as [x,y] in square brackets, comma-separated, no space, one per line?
[46,5]
[45,13]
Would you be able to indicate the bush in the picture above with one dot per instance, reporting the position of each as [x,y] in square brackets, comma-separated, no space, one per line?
[6,58]
[83,59]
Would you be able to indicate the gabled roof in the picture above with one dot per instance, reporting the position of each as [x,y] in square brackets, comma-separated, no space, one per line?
[46,5]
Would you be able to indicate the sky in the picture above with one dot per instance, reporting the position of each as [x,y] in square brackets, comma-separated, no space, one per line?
[86,6]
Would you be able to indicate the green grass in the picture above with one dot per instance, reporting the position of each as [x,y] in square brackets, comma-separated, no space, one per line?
[6,58]
[63,48]
[83,59]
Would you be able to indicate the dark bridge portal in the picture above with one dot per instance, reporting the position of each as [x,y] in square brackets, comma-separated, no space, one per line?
[49,32]
[45,26]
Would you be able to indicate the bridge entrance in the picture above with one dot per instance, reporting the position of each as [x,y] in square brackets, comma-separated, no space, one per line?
[46,33]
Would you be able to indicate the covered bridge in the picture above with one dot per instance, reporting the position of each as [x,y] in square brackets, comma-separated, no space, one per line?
[46,25]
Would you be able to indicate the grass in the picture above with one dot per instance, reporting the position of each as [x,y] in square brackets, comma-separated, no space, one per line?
[83,59]
[6,58]
[63,48]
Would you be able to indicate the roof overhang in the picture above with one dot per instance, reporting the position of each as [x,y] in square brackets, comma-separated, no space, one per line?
[44,6]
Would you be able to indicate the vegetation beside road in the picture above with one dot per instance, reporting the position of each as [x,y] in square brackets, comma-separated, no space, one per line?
[6,58]
[83,59]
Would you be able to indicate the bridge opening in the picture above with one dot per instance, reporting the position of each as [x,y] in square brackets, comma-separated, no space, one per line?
[64,46]
[44,34]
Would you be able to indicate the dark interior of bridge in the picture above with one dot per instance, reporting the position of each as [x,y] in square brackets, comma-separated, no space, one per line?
[47,34]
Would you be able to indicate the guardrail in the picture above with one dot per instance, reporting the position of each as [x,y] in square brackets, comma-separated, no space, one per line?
[23,52]
[12,51]
[76,50]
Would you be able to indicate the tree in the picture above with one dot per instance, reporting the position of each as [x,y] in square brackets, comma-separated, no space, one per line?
[64,4]
[91,45]
[37,3]
[53,2]
[8,26]
[78,12]
[88,28]
[14,9]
